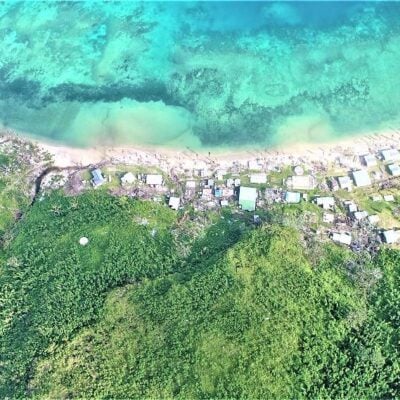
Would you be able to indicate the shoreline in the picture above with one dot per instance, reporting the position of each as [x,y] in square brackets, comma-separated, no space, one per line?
[359,144]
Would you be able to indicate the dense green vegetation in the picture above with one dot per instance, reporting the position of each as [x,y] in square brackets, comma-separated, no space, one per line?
[246,313]
[51,286]
[17,161]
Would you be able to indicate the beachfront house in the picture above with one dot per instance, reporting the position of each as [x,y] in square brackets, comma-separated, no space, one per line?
[301,182]
[174,202]
[361,178]
[258,178]
[97,178]
[390,155]
[391,236]
[128,178]
[247,198]
[342,238]
[369,160]
[394,169]
[254,165]
[154,179]
[345,183]
[292,197]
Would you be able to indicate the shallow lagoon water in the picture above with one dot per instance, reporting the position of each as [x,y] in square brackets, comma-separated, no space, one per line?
[198,74]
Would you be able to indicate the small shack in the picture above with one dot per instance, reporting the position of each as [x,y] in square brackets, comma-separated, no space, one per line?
[97,178]
[174,202]
[292,197]
[369,160]
[394,169]
[301,182]
[326,202]
[190,184]
[258,178]
[128,178]
[154,179]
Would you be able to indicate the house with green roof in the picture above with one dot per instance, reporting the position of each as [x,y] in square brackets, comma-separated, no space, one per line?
[247,198]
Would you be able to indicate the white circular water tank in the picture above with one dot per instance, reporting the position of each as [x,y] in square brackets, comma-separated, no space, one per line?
[298,170]
[83,241]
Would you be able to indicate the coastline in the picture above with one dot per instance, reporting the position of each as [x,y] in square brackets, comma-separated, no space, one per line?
[65,155]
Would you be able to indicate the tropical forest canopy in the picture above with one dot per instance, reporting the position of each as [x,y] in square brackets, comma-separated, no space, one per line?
[149,310]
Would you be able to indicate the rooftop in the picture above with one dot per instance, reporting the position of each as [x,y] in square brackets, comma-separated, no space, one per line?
[247,198]
[390,155]
[361,178]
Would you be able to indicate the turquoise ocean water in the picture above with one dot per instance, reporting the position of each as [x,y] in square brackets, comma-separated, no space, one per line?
[211,74]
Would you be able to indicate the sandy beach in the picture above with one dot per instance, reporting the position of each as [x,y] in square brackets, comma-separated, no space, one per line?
[312,152]
[164,157]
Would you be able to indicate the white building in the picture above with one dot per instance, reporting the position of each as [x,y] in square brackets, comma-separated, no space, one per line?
[373,219]
[128,178]
[328,218]
[361,178]
[301,182]
[258,178]
[174,202]
[359,215]
[154,179]
[345,183]
[343,238]
[190,184]
[391,236]
[388,197]
[394,169]
[326,202]
[376,197]
[390,155]
[369,160]
[351,206]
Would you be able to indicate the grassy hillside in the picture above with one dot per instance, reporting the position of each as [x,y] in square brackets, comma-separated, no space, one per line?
[247,314]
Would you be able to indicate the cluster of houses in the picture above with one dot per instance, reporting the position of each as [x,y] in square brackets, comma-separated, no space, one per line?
[206,190]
